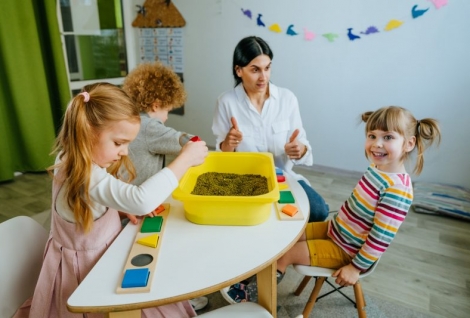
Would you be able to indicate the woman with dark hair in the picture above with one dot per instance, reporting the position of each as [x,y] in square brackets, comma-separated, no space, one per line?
[257,116]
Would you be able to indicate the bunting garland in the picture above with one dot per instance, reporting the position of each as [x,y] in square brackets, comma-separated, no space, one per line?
[415,12]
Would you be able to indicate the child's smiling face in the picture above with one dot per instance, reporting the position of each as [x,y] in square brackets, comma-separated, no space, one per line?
[386,149]
[113,142]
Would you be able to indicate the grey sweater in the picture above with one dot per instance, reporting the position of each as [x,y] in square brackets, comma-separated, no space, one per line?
[152,143]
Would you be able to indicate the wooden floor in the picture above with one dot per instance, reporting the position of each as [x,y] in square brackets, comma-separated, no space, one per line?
[426,268]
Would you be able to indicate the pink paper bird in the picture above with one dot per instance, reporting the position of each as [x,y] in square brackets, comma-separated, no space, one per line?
[308,35]
[438,3]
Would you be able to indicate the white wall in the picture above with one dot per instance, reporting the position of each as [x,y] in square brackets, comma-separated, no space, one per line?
[423,66]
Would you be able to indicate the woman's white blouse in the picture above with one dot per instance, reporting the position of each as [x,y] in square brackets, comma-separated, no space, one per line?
[265,132]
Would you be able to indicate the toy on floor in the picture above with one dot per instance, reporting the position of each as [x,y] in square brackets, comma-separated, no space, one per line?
[142,260]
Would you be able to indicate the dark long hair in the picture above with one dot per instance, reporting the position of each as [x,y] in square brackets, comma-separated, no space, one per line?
[246,50]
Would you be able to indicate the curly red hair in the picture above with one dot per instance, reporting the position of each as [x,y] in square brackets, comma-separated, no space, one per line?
[154,82]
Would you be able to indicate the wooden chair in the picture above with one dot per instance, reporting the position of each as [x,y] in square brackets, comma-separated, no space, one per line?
[245,309]
[321,275]
[22,242]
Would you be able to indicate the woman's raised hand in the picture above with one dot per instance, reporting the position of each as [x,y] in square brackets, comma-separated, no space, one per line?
[233,138]
[295,149]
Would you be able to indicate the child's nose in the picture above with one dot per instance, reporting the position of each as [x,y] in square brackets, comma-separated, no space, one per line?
[124,151]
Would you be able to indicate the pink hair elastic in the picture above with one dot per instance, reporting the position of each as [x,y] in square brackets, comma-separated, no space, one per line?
[86,96]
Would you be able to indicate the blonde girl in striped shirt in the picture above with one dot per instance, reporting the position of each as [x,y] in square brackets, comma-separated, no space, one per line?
[368,221]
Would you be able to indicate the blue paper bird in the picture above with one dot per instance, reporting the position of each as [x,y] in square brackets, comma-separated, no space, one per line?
[352,36]
[415,13]
[258,20]
[247,13]
[290,30]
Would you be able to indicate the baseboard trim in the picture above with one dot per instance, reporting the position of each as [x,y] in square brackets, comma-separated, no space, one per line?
[332,170]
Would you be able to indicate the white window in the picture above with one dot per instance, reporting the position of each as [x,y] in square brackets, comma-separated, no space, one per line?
[94,41]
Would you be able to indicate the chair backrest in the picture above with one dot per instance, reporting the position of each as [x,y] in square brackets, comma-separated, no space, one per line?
[22,242]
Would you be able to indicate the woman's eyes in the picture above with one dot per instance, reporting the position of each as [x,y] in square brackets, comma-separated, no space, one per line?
[255,70]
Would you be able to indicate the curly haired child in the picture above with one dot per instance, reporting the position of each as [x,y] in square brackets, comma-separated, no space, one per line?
[156,89]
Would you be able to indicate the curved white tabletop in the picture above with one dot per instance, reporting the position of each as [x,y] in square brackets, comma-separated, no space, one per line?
[193,260]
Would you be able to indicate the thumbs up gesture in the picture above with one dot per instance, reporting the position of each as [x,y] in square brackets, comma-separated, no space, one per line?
[295,149]
[233,138]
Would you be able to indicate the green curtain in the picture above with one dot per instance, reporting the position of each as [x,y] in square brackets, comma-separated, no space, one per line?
[34,88]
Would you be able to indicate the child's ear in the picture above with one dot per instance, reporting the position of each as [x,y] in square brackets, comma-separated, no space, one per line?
[410,144]
[156,104]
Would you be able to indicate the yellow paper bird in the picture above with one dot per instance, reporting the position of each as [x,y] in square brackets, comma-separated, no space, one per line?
[393,24]
[275,28]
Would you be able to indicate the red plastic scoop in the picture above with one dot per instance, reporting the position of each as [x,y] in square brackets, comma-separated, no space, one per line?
[195,138]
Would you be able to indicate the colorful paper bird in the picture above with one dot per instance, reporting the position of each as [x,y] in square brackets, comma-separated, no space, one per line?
[259,22]
[370,30]
[247,13]
[308,35]
[290,30]
[352,36]
[393,24]
[415,13]
[330,36]
[438,3]
[275,28]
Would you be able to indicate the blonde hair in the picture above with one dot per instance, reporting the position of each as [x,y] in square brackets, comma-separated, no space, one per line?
[86,116]
[153,82]
[400,120]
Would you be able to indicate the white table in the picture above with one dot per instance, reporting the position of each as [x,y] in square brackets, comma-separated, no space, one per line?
[194,260]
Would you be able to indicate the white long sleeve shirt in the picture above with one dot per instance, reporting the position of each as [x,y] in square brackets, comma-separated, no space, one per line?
[107,191]
[265,132]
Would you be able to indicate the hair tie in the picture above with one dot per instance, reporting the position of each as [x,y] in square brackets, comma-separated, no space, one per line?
[86,96]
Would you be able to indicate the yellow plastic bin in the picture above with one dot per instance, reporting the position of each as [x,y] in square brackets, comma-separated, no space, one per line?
[229,210]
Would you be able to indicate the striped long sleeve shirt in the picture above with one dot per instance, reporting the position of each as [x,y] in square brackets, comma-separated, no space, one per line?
[369,220]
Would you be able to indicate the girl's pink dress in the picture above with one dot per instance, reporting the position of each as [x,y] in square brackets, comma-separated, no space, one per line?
[68,257]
